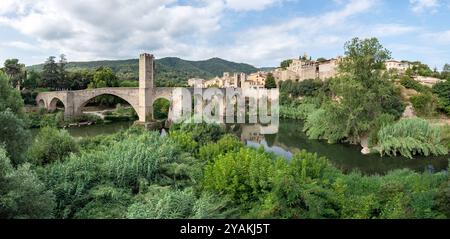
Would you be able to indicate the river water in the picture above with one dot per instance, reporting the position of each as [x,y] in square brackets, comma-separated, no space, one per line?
[291,139]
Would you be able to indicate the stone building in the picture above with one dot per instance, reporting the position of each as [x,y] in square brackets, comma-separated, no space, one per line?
[303,69]
[399,66]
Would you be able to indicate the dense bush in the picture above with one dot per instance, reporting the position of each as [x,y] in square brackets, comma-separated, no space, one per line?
[244,175]
[51,145]
[302,88]
[13,135]
[22,194]
[226,144]
[410,137]
[410,83]
[425,105]
[442,90]
[202,133]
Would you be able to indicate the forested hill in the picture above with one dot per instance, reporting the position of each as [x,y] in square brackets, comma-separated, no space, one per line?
[170,70]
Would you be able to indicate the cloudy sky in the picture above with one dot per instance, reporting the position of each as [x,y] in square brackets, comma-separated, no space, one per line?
[259,32]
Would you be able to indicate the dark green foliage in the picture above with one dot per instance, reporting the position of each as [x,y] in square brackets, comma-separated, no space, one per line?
[410,83]
[161,109]
[442,90]
[104,77]
[303,88]
[169,71]
[420,69]
[51,145]
[22,194]
[360,94]
[285,64]
[15,71]
[13,135]
[80,79]
[9,97]
[270,82]
[443,199]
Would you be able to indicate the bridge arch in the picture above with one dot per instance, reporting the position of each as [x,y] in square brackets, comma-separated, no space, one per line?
[53,104]
[89,95]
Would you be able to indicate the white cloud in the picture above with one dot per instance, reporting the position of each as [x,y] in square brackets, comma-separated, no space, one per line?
[247,5]
[21,45]
[274,42]
[419,6]
[111,29]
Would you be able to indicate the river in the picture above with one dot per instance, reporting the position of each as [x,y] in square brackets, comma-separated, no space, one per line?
[291,139]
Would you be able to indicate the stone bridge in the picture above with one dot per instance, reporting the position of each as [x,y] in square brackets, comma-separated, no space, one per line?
[141,98]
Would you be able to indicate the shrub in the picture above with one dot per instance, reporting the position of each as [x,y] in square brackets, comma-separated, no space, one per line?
[442,89]
[410,83]
[13,135]
[243,175]
[202,133]
[163,203]
[143,156]
[52,145]
[184,140]
[425,104]
[411,137]
[22,194]
[228,143]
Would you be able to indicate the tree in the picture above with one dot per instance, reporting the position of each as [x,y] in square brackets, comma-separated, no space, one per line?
[285,64]
[62,73]
[33,80]
[80,79]
[12,127]
[22,194]
[442,89]
[270,81]
[15,71]
[9,97]
[50,73]
[446,68]
[104,77]
[13,135]
[361,94]
[52,145]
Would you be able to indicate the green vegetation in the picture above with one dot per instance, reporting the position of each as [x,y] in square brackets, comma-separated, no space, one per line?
[161,109]
[51,145]
[442,90]
[410,83]
[270,82]
[169,71]
[22,194]
[285,64]
[425,105]
[358,96]
[198,171]
[410,137]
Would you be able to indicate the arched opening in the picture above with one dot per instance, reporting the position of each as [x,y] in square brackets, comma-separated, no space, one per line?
[161,109]
[56,105]
[41,104]
[106,107]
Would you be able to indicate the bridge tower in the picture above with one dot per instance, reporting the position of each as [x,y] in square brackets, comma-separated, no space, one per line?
[146,87]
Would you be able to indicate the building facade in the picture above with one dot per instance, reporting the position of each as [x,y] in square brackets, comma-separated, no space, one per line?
[301,69]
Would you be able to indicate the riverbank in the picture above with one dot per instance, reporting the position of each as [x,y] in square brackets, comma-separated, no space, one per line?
[291,139]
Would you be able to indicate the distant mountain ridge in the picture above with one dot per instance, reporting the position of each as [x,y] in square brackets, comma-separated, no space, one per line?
[174,70]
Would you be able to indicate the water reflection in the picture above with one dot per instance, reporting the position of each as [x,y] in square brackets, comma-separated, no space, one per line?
[291,139]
